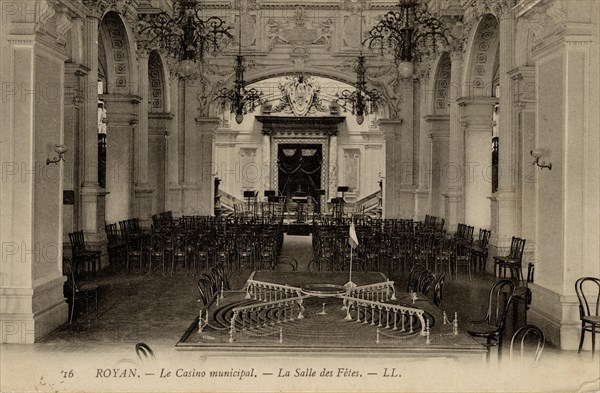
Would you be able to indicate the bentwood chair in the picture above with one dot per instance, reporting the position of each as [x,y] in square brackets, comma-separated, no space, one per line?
[529,337]
[492,326]
[438,289]
[588,293]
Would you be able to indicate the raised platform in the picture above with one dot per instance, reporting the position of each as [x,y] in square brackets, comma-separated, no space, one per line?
[322,324]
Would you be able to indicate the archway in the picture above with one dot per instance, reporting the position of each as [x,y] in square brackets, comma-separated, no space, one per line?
[158,131]
[478,121]
[118,111]
[439,133]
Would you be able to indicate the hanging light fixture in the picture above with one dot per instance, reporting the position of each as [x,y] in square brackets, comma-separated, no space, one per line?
[361,100]
[242,100]
[409,34]
[184,34]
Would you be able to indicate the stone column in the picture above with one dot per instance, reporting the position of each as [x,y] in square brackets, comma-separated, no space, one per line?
[206,133]
[174,173]
[191,140]
[75,77]
[523,82]
[32,302]
[422,193]
[142,191]
[393,163]
[568,196]
[92,221]
[505,199]
[122,114]
[476,120]
[438,134]
[453,173]
[333,167]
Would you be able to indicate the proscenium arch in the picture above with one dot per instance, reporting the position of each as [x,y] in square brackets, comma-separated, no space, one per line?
[481,58]
[255,76]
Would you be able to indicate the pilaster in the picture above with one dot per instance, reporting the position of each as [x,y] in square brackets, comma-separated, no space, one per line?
[476,121]
[439,136]
[142,192]
[32,303]
[392,186]
[90,191]
[206,130]
[454,207]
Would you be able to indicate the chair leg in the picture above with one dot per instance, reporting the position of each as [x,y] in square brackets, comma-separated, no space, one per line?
[73,310]
[96,293]
[593,339]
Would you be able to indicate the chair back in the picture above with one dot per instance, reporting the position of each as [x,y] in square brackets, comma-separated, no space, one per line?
[588,289]
[413,277]
[499,301]
[425,282]
[438,289]
[525,337]
[516,248]
[485,239]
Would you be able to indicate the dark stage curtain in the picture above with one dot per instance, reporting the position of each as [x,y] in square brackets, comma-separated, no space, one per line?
[300,169]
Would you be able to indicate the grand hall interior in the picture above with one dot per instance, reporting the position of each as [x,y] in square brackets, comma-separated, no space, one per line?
[272,195]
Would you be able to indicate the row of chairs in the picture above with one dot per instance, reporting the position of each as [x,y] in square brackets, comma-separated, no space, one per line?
[195,242]
[393,245]
[423,281]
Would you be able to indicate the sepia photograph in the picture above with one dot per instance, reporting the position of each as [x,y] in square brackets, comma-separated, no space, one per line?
[300,196]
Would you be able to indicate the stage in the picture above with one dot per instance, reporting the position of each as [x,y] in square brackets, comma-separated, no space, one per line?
[316,318]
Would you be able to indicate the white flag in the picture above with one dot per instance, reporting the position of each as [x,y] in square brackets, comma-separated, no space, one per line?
[353,239]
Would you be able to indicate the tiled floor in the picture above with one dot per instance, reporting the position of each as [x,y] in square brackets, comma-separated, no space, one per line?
[157,310]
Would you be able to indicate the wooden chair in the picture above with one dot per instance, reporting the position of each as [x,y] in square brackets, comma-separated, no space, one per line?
[512,261]
[463,251]
[285,262]
[521,335]
[117,247]
[479,249]
[444,254]
[492,326]
[81,255]
[74,290]
[522,294]
[586,288]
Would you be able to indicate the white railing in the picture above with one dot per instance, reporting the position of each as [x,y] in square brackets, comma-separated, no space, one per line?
[267,292]
[255,315]
[228,201]
[380,313]
[379,292]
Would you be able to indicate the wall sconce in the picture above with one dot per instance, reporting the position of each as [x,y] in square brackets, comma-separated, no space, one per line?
[60,151]
[537,154]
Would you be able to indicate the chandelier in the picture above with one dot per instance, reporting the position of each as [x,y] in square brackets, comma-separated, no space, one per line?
[361,100]
[184,34]
[409,35]
[241,99]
